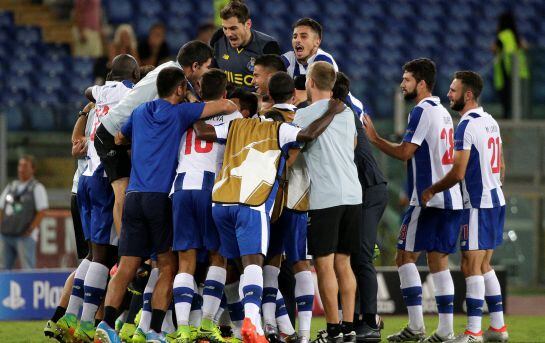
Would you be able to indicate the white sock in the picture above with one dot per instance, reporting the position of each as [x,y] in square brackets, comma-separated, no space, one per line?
[76,298]
[183,297]
[94,285]
[282,318]
[474,302]
[492,295]
[270,291]
[213,291]
[240,285]
[304,297]
[411,287]
[168,324]
[253,290]
[235,307]
[145,318]
[444,297]
[195,315]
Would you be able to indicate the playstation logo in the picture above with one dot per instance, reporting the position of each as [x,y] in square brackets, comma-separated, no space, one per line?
[14,300]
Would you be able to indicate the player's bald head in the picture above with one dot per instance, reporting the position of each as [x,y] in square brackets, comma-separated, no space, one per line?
[124,67]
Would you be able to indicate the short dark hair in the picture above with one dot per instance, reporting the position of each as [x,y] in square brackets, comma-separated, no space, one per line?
[145,69]
[281,87]
[206,26]
[237,9]
[341,87]
[313,24]
[247,100]
[213,84]
[270,61]
[124,67]
[422,69]
[168,79]
[470,80]
[300,81]
[194,51]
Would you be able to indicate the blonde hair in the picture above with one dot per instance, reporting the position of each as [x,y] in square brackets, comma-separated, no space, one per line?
[130,31]
[323,74]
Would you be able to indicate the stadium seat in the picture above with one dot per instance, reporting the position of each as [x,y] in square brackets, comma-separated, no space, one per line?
[28,35]
[83,66]
[14,117]
[150,8]
[175,39]
[41,118]
[119,11]
[6,19]
[50,83]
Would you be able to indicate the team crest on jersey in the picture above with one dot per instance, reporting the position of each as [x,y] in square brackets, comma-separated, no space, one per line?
[251,64]
[225,57]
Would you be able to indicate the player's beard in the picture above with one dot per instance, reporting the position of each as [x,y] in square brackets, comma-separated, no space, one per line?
[458,105]
[410,95]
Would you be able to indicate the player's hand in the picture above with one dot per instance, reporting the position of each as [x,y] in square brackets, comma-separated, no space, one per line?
[120,139]
[370,128]
[79,148]
[426,197]
[336,106]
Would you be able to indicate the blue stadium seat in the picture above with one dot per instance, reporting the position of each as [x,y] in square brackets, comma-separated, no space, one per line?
[18,83]
[21,66]
[370,9]
[50,83]
[53,67]
[142,24]
[336,9]
[176,39]
[78,84]
[180,7]
[119,11]
[83,66]
[306,8]
[173,22]
[402,10]
[23,52]
[150,8]
[41,118]
[28,35]
[6,19]
[14,116]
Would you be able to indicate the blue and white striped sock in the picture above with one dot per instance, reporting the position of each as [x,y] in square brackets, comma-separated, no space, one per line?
[411,288]
[444,297]
[183,297]
[494,300]
[253,290]
[213,291]
[76,299]
[474,302]
[145,318]
[95,287]
[282,318]
[270,291]
[235,307]
[304,297]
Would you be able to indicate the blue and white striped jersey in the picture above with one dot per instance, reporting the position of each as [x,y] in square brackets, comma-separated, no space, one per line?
[294,69]
[479,133]
[430,127]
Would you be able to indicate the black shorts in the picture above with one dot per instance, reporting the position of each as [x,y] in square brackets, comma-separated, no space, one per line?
[147,224]
[82,247]
[334,230]
[114,158]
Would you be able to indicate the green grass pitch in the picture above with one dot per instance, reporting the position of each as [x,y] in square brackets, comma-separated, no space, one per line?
[521,328]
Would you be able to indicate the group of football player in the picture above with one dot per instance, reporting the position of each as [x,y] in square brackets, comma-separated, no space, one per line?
[204,181]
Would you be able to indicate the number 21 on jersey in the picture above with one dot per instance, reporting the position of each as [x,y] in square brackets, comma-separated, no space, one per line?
[495,160]
[448,138]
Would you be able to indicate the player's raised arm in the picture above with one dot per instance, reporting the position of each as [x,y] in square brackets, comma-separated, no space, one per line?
[402,151]
[318,126]
[216,107]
